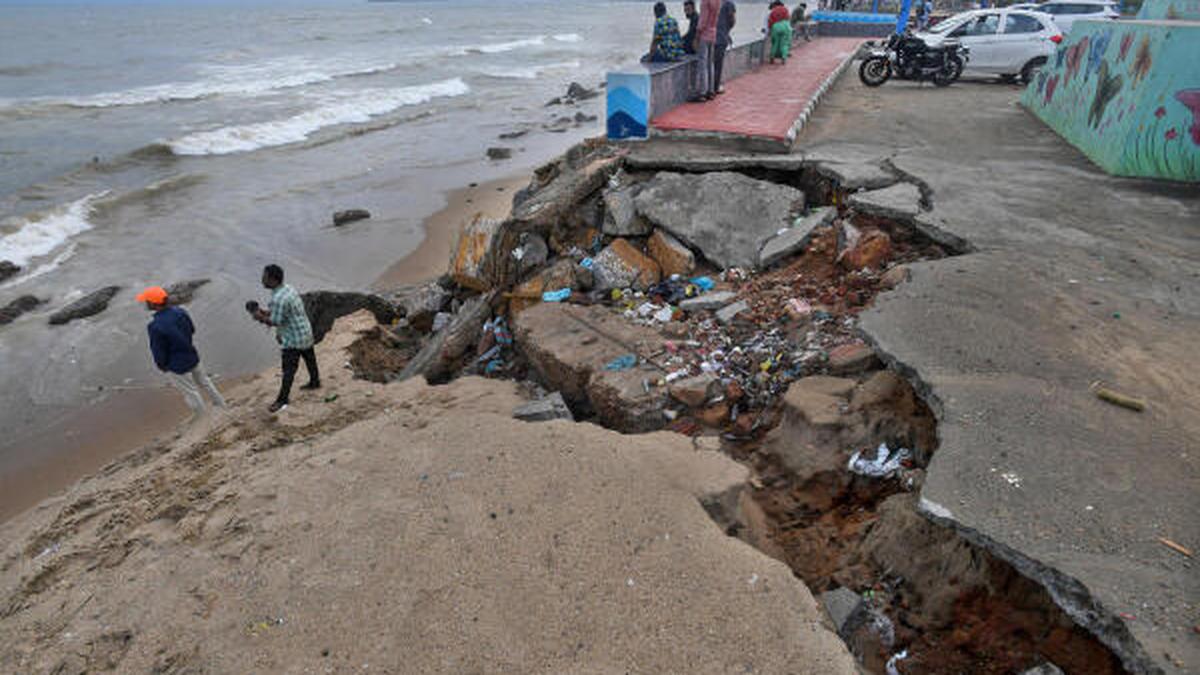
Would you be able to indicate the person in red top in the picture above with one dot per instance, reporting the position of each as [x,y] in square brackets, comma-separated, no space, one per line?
[706,38]
[779,28]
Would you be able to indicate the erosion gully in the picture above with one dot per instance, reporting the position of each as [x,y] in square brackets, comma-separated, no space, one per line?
[918,588]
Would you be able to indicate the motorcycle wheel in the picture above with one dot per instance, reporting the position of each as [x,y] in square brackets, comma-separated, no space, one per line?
[949,72]
[874,71]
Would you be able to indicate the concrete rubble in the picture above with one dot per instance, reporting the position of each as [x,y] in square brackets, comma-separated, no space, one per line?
[719,305]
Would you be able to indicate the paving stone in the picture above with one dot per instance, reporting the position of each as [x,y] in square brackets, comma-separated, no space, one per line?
[902,200]
[729,312]
[552,407]
[708,301]
[846,609]
[752,104]
[796,238]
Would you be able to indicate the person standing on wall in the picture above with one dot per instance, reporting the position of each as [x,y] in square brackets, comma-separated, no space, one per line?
[293,332]
[725,23]
[706,39]
[171,332]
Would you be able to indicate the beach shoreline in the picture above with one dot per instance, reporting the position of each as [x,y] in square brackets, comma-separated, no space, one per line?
[126,419]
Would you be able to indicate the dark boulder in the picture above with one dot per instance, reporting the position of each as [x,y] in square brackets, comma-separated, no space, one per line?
[17,307]
[182,292]
[349,216]
[8,269]
[89,305]
[325,307]
[580,93]
[499,153]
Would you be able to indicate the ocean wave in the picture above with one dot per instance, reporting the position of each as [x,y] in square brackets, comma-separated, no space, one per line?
[501,47]
[39,234]
[568,37]
[220,80]
[357,108]
[528,72]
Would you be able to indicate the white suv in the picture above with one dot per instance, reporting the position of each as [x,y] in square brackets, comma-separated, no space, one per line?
[1067,12]
[1010,43]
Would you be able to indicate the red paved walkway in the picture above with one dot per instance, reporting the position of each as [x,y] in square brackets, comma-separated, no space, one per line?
[767,102]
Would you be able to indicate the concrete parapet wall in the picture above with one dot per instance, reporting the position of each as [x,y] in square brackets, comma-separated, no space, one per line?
[1127,94]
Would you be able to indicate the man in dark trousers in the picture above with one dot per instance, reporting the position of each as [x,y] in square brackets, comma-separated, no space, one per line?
[171,332]
[725,23]
[293,332]
[693,17]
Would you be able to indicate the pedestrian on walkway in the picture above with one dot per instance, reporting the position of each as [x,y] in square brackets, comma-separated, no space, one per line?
[706,39]
[293,332]
[726,20]
[171,332]
[779,28]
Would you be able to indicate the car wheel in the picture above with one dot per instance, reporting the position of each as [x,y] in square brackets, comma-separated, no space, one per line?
[1031,69]
[1008,78]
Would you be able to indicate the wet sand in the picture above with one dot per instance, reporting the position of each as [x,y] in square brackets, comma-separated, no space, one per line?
[492,199]
[85,440]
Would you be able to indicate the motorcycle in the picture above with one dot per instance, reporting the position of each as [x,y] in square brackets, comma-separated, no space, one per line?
[908,57]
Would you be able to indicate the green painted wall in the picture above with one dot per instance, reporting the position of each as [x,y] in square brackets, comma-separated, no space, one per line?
[1127,93]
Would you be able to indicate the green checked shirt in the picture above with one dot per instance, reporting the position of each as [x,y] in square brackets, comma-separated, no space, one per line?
[293,331]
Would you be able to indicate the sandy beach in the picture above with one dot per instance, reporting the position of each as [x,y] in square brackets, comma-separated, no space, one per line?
[135,417]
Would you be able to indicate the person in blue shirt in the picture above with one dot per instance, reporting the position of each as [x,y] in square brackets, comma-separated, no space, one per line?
[171,345]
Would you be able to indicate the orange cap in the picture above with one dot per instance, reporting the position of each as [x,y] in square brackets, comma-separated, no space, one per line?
[155,295]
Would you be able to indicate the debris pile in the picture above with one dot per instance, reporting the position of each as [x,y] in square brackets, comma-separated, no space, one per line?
[739,285]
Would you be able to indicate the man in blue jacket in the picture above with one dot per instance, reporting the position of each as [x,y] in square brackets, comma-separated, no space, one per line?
[171,333]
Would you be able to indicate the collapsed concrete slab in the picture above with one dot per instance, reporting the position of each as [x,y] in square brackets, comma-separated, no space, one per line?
[901,201]
[796,237]
[569,346]
[726,216]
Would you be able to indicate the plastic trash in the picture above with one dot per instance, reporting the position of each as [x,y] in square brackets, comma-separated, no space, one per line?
[587,263]
[884,465]
[622,362]
[703,283]
[664,315]
[891,663]
[440,321]
[556,296]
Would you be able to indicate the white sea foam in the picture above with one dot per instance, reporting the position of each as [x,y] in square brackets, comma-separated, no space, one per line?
[354,108]
[218,80]
[529,72]
[568,37]
[501,47]
[36,235]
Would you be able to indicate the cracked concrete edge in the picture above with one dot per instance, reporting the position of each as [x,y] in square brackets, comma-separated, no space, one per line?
[829,81]
[922,185]
[1067,592]
[1070,594]
[789,162]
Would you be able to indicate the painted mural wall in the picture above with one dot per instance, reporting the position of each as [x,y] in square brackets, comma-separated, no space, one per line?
[1172,10]
[1126,93]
